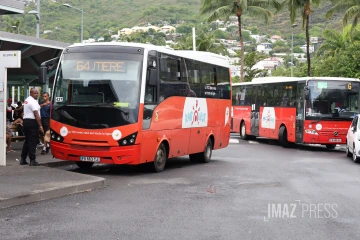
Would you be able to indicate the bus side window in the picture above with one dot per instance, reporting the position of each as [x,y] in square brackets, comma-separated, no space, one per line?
[192,68]
[150,90]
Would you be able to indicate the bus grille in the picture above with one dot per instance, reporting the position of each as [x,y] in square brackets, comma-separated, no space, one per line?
[89,148]
[331,133]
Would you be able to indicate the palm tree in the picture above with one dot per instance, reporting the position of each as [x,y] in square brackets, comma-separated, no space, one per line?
[13,26]
[305,7]
[204,42]
[223,9]
[337,41]
[352,12]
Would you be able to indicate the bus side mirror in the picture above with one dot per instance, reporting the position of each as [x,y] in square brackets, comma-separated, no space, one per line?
[42,74]
[44,68]
[306,93]
[152,77]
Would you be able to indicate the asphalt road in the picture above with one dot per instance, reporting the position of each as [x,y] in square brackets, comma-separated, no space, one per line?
[312,193]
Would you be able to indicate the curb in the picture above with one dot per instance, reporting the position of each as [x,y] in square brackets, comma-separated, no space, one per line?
[57,164]
[40,195]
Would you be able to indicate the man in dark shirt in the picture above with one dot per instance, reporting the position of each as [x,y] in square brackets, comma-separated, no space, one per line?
[45,119]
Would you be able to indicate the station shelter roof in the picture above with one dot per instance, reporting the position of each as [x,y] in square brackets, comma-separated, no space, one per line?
[34,51]
[11,7]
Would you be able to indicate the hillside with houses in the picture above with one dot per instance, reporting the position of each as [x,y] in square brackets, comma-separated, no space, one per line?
[276,47]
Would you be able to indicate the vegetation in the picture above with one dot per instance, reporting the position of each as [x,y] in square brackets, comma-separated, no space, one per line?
[333,21]
[223,9]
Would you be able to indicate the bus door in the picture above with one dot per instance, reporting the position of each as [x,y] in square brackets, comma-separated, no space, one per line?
[255,107]
[300,112]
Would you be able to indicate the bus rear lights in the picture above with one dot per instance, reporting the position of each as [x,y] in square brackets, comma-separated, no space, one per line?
[128,140]
[311,131]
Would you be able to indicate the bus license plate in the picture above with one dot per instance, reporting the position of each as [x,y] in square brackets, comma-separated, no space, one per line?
[335,140]
[90,159]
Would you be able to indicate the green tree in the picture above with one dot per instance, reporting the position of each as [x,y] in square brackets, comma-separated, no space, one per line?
[223,9]
[336,41]
[305,7]
[236,79]
[251,59]
[297,49]
[204,42]
[344,64]
[351,8]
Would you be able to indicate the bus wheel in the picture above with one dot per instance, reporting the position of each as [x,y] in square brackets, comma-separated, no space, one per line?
[84,165]
[243,135]
[205,156]
[330,146]
[283,137]
[160,159]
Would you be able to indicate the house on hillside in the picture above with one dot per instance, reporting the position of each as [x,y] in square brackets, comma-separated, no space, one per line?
[269,63]
[167,28]
[258,38]
[264,47]
[275,38]
[311,48]
[125,31]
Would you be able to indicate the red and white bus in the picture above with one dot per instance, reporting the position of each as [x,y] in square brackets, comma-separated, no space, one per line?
[128,103]
[311,110]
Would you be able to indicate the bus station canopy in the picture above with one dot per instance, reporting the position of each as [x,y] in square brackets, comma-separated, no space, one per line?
[11,7]
[34,51]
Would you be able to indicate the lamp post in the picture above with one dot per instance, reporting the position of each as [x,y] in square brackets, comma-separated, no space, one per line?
[82,16]
[37,15]
[292,46]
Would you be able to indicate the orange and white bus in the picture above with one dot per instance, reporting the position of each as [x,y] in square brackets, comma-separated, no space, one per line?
[311,110]
[128,103]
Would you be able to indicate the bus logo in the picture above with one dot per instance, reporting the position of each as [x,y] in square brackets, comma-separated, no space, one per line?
[195,113]
[268,118]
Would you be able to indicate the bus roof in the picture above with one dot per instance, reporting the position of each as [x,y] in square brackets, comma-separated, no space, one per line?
[201,56]
[292,79]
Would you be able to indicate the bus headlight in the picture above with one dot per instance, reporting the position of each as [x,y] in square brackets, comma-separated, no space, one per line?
[311,131]
[128,140]
[55,136]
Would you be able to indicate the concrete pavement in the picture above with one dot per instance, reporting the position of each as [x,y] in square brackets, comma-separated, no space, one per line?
[25,184]
[227,198]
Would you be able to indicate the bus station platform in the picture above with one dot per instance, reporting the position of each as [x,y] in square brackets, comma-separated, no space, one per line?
[22,184]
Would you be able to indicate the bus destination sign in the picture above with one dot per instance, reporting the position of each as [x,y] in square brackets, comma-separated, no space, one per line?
[101,66]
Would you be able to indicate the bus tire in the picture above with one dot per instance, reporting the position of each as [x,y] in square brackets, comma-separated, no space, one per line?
[205,156]
[283,137]
[84,165]
[243,135]
[160,159]
[330,146]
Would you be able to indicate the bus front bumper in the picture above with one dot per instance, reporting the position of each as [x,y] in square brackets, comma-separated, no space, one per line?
[107,155]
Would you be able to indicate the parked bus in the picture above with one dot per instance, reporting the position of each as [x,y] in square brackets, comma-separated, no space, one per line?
[311,110]
[127,103]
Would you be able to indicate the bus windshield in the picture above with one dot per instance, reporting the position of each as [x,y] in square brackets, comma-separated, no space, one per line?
[332,100]
[105,86]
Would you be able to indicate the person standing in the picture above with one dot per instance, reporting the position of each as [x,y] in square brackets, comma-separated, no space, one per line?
[9,112]
[45,120]
[32,126]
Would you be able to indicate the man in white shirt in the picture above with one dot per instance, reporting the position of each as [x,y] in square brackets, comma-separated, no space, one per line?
[31,127]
